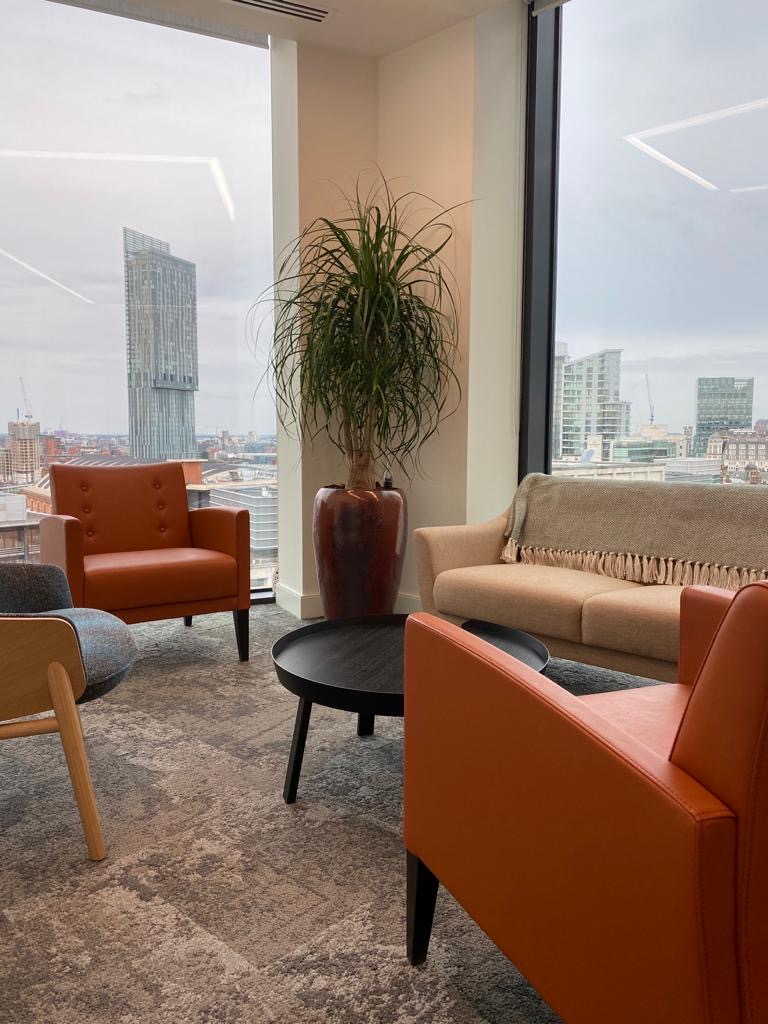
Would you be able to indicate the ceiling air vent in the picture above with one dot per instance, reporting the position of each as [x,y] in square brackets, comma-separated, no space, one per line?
[288,9]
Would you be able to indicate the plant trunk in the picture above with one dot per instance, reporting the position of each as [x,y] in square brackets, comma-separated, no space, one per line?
[361,472]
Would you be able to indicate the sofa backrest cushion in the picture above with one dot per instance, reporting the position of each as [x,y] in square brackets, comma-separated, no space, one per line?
[643,531]
[124,508]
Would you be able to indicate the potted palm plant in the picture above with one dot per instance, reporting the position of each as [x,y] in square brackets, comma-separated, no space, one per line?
[365,338]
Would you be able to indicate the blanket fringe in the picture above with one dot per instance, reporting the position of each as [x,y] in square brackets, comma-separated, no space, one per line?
[635,568]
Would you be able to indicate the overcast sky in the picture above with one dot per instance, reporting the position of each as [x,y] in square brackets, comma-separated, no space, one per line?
[77,81]
[649,261]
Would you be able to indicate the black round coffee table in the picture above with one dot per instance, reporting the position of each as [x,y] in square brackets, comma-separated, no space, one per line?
[357,665]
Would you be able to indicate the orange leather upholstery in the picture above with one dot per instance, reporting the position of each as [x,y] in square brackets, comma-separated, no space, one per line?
[124,508]
[130,546]
[723,743]
[136,579]
[626,878]
[701,612]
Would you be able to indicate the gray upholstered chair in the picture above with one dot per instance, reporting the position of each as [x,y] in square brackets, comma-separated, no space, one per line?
[106,645]
[51,656]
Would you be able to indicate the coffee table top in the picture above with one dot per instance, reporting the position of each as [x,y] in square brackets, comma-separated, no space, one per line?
[351,664]
[357,664]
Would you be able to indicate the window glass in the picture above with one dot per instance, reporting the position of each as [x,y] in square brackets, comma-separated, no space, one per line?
[661,364]
[136,232]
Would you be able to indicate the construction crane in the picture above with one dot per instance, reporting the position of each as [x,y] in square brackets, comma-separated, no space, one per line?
[650,400]
[27,407]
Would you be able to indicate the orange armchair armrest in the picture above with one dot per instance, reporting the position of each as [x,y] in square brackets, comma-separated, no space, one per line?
[227,530]
[567,840]
[61,543]
[701,612]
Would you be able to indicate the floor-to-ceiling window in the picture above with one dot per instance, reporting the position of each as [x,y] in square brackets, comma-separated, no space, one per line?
[135,234]
[659,356]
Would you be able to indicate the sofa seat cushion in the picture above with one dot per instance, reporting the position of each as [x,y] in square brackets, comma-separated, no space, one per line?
[140,579]
[535,598]
[652,714]
[643,621]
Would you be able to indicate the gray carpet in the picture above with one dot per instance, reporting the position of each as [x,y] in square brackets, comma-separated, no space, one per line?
[217,902]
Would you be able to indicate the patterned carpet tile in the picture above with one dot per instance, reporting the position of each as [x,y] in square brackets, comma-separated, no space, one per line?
[218,903]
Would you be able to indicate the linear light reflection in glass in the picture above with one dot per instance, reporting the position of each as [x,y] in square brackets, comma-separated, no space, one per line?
[637,139]
[45,277]
[212,163]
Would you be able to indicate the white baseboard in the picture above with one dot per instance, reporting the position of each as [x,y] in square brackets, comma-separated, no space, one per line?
[303,606]
[309,606]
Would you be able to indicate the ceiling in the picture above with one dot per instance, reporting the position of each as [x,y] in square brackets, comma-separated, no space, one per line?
[372,27]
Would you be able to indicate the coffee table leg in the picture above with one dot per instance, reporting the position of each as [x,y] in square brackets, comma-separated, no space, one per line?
[365,724]
[297,750]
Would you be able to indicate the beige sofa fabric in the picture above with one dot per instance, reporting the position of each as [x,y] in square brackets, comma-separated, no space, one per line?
[452,547]
[534,598]
[594,609]
[643,621]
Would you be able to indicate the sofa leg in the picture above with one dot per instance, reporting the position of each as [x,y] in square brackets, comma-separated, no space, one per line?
[187,620]
[422,893]
[241,632]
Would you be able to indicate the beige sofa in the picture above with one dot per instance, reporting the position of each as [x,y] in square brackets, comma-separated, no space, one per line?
[595,569]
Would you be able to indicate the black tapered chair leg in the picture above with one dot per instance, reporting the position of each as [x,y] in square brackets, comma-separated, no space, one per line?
[241,617]
[187,620]
[422,888]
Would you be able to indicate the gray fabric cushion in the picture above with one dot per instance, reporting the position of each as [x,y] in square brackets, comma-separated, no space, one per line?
[26,589]
[106,644]
[106,647]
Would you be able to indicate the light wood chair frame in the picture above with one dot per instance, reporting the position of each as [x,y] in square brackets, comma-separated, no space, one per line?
[41,670]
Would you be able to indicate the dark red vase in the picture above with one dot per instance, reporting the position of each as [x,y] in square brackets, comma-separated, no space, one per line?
[360,539]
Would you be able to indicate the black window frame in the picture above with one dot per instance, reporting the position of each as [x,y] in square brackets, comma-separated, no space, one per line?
[540,240]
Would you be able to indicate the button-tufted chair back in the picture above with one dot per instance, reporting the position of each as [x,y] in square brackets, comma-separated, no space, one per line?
[124,508]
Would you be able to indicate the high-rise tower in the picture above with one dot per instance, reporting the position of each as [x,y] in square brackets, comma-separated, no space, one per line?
[161,335]
[722,404]
[591,403]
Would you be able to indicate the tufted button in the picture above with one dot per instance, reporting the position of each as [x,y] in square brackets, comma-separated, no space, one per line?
[160,506]
[157,485]
[90,533]
[87,509]
[162,529]
[83,487]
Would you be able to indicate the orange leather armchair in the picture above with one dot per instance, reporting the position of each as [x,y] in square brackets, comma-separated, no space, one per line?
[615,847]
[129,545]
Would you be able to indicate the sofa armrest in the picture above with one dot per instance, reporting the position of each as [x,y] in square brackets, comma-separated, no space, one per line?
[61,543]
[439,548]
[227,530]
[564,837]
[701,612]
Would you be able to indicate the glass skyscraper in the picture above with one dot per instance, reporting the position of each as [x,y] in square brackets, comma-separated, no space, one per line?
[161,335]
[722,404]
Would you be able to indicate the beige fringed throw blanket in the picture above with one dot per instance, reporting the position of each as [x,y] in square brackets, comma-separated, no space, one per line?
[643,532]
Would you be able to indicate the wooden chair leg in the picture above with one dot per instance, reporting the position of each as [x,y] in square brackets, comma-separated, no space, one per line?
[70,729]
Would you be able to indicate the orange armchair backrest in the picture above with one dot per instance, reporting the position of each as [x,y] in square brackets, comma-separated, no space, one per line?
[723,743]
[124,508]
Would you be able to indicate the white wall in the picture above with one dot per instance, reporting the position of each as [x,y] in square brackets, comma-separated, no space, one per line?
[426,114]
[446,116]
[497,261]
[325,129]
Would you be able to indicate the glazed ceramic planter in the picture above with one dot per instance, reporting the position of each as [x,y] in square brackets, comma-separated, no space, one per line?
[360,539]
